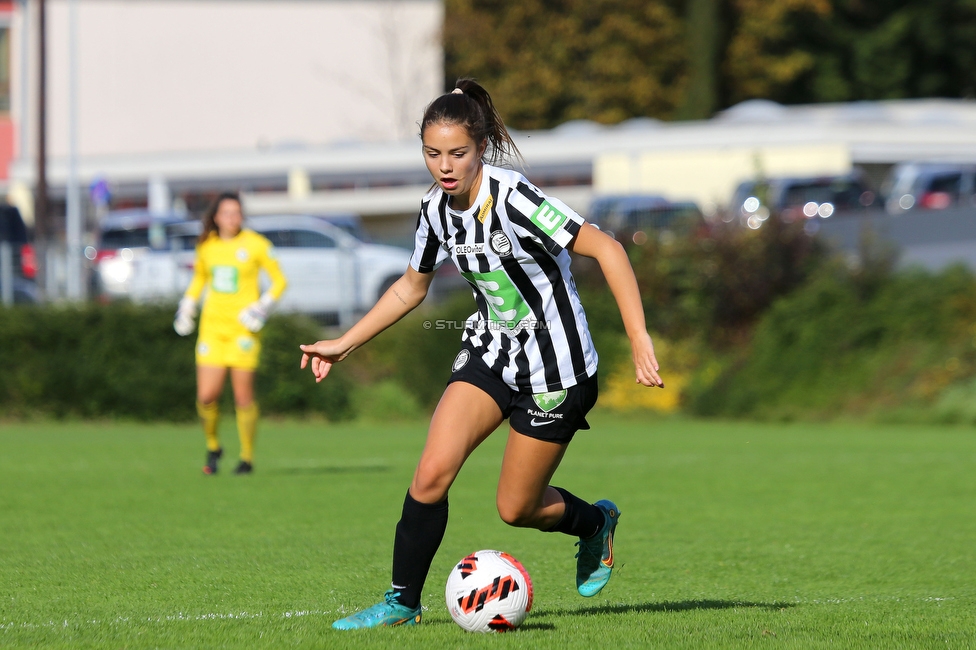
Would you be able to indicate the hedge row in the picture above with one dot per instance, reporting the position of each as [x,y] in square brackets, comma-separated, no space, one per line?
[897,345]
[124,360]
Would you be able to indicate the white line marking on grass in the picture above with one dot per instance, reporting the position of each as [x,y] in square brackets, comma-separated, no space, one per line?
[121,620]
[341,610]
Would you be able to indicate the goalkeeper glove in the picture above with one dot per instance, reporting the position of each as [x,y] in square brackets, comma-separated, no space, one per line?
[185,314]
[254,315]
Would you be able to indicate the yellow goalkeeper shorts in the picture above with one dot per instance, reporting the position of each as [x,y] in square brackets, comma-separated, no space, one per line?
[229,351]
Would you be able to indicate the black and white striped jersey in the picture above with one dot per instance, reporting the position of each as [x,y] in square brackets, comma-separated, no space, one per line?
[511,248]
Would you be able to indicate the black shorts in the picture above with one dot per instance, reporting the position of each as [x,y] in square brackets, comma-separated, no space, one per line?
[553,417]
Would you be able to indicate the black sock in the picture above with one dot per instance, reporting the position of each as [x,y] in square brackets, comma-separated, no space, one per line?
[418,535]
[581,519]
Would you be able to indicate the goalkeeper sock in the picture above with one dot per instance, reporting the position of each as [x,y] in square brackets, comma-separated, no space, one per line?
[418,535]
[247,424]
[210,417]
[581,519]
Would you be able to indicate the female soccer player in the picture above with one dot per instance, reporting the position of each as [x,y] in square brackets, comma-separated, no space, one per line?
[526,354]
[228,263]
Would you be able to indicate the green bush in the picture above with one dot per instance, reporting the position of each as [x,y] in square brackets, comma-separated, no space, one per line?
[844,345]
[124,360]
[418,351]
[386,401]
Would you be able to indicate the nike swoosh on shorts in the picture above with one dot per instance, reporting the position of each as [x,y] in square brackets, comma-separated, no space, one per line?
[541,423]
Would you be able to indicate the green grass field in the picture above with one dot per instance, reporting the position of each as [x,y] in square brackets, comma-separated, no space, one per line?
[731,535]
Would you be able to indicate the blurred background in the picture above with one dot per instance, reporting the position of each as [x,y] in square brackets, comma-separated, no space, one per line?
[795,181]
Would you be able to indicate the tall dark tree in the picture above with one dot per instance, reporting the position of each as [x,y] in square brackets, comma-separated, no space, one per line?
[891,49]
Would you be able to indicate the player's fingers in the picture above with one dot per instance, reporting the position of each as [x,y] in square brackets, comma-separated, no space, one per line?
[649,377]
[642,378]
[654,364]
[324,369]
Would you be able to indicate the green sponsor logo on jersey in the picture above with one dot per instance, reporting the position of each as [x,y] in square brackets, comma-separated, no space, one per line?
[505,303]
[548,217]
[549,401]
[224,279]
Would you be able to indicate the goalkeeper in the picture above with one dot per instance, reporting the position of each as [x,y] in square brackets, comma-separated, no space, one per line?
[228,263]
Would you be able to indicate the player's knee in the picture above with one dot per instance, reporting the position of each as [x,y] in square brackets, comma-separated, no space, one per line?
[516,514]
[430,483]
[207,398]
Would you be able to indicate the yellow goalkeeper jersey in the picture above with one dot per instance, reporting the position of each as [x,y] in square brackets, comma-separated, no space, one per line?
[229,269]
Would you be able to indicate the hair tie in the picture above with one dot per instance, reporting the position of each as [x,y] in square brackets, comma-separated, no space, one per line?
[457,91]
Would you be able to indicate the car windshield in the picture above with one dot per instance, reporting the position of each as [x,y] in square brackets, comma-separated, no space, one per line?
[134,238]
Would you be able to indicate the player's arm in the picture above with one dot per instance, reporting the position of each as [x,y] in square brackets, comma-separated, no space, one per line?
[398,301]
[278,280]
[187,311]
[256,314]
[614,263]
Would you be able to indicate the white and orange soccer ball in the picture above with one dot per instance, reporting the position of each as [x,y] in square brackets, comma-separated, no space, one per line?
[489,591]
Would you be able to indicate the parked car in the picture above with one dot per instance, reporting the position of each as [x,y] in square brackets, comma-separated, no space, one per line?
[634,217]
[929,186]
[331,274]
[22,269]
[798,198]
[124,237]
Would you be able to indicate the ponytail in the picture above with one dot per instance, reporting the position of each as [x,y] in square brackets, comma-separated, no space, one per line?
[470,107]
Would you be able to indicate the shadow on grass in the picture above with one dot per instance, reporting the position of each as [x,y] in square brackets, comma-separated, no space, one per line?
[537,626]
[677,606]
[328,469]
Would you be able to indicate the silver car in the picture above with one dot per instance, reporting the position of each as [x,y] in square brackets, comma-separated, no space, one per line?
[331,274]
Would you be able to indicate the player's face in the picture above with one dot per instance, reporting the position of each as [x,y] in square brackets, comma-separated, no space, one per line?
[228,218]
[454,161]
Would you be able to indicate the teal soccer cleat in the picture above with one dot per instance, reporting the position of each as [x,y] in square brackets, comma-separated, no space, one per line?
[594,561]
[388,613]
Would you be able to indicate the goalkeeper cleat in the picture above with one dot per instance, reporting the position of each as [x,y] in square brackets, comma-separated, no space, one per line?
[386,614]
[212,458]
[594,561]
[244,467]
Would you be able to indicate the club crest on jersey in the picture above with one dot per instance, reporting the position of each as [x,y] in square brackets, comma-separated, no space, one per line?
[460,360]
[500,243]
[465,249]
[241,254]
[485,209]
[549,401]
[203,349]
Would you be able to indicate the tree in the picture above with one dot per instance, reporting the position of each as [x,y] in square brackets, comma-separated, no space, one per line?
[549,61]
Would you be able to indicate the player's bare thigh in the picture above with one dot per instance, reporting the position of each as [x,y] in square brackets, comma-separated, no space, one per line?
[464,417]
[524,497]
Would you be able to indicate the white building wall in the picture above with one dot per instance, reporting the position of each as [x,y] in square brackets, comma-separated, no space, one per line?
[159,76]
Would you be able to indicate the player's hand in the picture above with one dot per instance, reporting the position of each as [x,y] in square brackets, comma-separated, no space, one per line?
[322,356]
[185,313]
[255,315]
[646,363]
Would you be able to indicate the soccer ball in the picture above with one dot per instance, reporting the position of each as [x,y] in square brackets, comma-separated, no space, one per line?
[489,591]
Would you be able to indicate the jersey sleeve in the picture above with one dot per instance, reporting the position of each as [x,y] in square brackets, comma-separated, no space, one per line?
[547,220]
[268,261]
[428,251]
[200,275]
